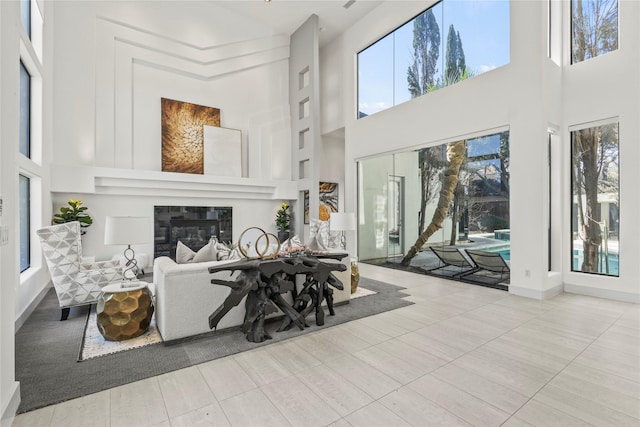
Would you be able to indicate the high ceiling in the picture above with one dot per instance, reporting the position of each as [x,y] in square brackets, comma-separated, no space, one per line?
[285,16]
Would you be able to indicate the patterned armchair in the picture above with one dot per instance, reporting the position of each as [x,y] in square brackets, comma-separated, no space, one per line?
[76,283]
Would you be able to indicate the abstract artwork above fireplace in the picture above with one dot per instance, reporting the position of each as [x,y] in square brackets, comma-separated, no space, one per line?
[183,135]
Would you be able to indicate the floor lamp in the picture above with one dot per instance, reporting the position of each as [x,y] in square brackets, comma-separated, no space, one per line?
[127,230]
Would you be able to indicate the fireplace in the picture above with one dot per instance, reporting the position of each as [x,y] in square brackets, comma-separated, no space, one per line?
[193,226]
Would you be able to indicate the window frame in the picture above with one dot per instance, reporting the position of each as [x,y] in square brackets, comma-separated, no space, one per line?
[30,166]
[571,25]
[572,212]
[25,145]
[25,239]
[445,82]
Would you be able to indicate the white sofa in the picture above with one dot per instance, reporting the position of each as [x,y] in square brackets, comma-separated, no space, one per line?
[185,297]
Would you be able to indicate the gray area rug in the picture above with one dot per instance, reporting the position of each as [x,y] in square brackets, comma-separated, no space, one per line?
[47,349]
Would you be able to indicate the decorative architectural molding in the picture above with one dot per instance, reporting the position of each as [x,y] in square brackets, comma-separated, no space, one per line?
[123,47]
[304,100]
[269,133]
[111,181]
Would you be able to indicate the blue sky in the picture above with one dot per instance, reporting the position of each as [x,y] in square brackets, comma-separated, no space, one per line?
[484,29]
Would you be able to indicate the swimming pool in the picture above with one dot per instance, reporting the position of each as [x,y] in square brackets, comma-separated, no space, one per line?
[577,259]
[613,263]
[505,251]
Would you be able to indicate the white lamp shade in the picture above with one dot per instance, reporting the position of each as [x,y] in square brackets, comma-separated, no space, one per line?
[127,230]
[342,221]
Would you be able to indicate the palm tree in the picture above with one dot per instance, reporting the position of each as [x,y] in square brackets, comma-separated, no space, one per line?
[456,152]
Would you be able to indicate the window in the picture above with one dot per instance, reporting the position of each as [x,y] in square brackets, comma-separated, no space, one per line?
[30,120]
[25,15]
[24,185]
[595,200]
[449,42]
[594,28]
[400,197]
[25,111]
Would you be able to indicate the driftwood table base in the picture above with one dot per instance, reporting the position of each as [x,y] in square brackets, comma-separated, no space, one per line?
[264,281]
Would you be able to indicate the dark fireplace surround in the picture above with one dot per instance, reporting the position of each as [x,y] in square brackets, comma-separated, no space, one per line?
[191,225]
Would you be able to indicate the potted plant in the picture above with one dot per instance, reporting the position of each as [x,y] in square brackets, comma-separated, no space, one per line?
[76,212]
[283,221]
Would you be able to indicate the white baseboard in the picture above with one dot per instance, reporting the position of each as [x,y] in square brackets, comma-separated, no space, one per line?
[540,294]
[603,293]
[32,306]
[9,411]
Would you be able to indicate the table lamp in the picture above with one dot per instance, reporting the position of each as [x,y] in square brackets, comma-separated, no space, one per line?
[127,230]
[342,222]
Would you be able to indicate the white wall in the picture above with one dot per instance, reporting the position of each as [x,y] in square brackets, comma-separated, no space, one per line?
[331,166]
[9,36]
[523,96]
[115,60]
[18,291]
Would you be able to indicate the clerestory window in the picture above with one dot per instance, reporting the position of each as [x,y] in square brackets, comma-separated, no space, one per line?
[447,43]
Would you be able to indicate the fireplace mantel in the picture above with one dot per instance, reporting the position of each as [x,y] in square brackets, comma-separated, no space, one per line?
[111,181]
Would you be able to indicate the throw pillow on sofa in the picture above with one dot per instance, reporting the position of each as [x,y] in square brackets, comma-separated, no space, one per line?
[225,253]
[185,255]
[321,238]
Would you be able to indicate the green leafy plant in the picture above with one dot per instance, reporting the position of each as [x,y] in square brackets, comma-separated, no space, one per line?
[76,212]
[283,218]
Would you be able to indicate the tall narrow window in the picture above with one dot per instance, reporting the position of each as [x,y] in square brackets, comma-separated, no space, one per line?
[596,200]
[25,15]
[594,28]
[25,111]
[550,202]
[25,208]
[29,84]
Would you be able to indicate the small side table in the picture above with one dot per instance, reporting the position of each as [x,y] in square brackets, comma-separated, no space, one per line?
[124,310]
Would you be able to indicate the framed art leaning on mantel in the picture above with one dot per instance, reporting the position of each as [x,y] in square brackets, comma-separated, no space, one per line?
[222,151]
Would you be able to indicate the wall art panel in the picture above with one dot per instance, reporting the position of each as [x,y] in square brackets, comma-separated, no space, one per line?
[183,135]
[328,199]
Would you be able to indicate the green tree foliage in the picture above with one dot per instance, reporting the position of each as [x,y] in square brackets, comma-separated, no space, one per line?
[462,63]
[426,50]
[455,67]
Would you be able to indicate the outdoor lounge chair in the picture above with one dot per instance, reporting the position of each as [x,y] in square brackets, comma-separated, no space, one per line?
[453,262]
[491,268]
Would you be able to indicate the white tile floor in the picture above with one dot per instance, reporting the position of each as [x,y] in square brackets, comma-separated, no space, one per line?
[462,355]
